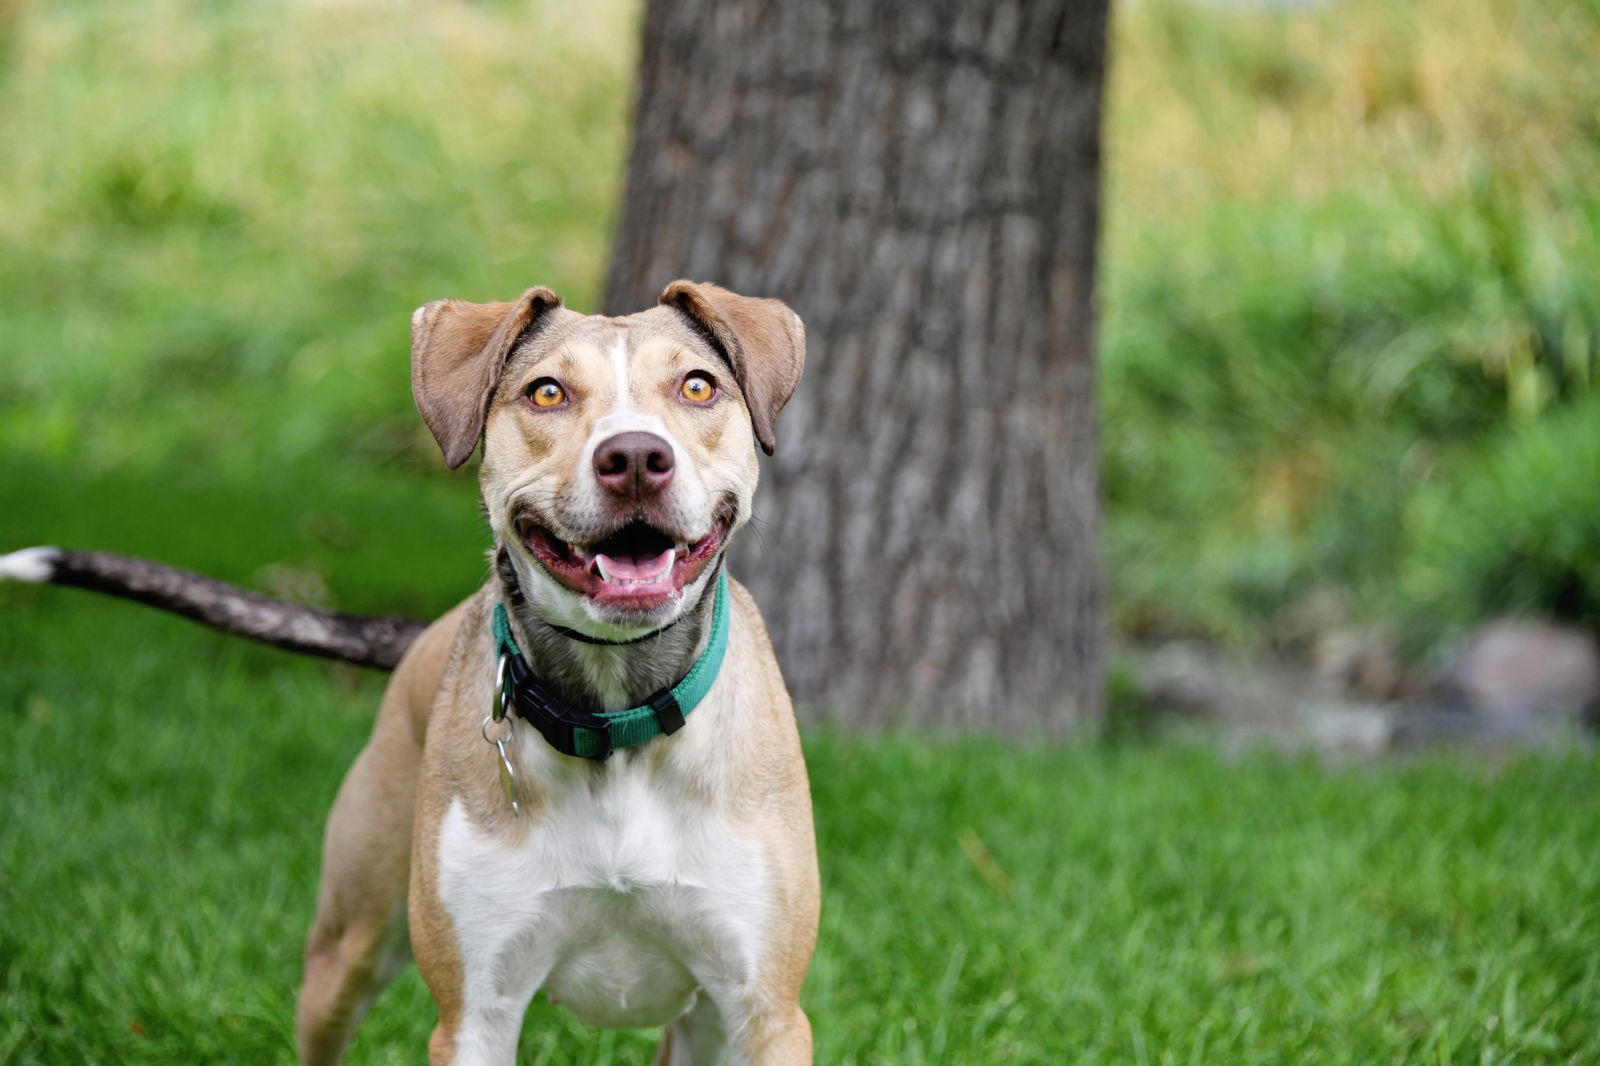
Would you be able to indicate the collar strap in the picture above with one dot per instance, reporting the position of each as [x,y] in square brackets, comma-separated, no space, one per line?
[596,736]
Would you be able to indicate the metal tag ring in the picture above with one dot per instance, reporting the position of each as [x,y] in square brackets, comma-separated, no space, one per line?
[491,720]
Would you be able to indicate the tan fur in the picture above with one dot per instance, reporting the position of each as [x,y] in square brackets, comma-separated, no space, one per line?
[367,853]
[762,338]
[741,748]
[458,349]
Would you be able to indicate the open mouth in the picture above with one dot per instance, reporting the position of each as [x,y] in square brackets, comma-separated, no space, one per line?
[637,568]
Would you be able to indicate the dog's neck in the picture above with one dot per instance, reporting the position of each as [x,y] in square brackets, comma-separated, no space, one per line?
[604,677]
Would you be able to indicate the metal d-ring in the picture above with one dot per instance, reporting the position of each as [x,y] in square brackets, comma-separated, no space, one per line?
[501,695]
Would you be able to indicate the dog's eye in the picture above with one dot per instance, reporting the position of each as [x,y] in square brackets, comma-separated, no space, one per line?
[546,393]
[697,388]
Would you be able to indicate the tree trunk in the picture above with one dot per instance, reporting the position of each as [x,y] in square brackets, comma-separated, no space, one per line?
[920,182]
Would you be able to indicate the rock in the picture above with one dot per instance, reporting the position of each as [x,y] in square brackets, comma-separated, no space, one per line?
[1512,669]
[1358,660]
[1348,730]
[1258,703]
[1295,629]
[1183,676]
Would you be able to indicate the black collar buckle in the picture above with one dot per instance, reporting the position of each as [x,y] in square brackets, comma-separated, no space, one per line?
[556,722]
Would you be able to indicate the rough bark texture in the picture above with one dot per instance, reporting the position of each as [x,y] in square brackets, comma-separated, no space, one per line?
[920,182]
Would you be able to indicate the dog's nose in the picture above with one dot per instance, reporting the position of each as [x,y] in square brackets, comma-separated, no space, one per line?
[635,464]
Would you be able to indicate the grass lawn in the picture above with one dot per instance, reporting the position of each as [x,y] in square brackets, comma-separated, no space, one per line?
[165,789]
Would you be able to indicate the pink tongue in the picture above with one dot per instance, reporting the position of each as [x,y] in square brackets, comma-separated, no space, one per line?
[622,568]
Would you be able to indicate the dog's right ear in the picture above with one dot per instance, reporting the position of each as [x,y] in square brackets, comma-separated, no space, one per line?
[458,350]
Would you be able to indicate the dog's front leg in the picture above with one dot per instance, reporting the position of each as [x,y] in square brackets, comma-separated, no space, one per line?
[776,1037]
[768,1038]
[483,1035]
[479,979]
[697,1039]
[482,997]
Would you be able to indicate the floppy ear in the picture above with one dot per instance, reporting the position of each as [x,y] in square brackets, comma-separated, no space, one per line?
[458,350]
[763,341]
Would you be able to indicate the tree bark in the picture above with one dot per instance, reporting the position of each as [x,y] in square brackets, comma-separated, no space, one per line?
[920,182]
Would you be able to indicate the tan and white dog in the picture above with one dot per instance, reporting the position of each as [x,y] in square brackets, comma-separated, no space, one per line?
[673,883]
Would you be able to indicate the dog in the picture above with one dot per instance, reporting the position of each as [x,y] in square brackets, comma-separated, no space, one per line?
[586,778]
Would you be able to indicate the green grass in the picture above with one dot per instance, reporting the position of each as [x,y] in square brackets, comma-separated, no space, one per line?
[165,789]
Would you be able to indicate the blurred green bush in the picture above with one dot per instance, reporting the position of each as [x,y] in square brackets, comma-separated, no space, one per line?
[217,218]
[1350,325]
[1350,318]
[1516,528]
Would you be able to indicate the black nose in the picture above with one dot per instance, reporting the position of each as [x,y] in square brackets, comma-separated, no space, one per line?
[635,464]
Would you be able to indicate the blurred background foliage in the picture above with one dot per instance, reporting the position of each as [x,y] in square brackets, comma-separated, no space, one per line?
[217,220]
[1350,325]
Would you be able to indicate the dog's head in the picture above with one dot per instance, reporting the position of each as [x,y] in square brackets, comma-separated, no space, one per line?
[619,453]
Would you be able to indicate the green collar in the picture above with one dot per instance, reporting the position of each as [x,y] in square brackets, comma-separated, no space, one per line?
[595,736]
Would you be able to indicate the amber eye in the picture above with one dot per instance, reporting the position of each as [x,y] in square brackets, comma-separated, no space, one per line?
[697,388]
[546,393]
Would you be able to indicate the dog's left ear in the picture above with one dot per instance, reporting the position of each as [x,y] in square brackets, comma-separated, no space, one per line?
[763,341]
[458,350]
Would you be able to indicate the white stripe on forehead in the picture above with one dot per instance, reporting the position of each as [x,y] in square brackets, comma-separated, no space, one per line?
[619,366]
[623,415]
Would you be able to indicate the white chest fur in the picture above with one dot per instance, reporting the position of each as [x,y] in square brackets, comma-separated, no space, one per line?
[624,897]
